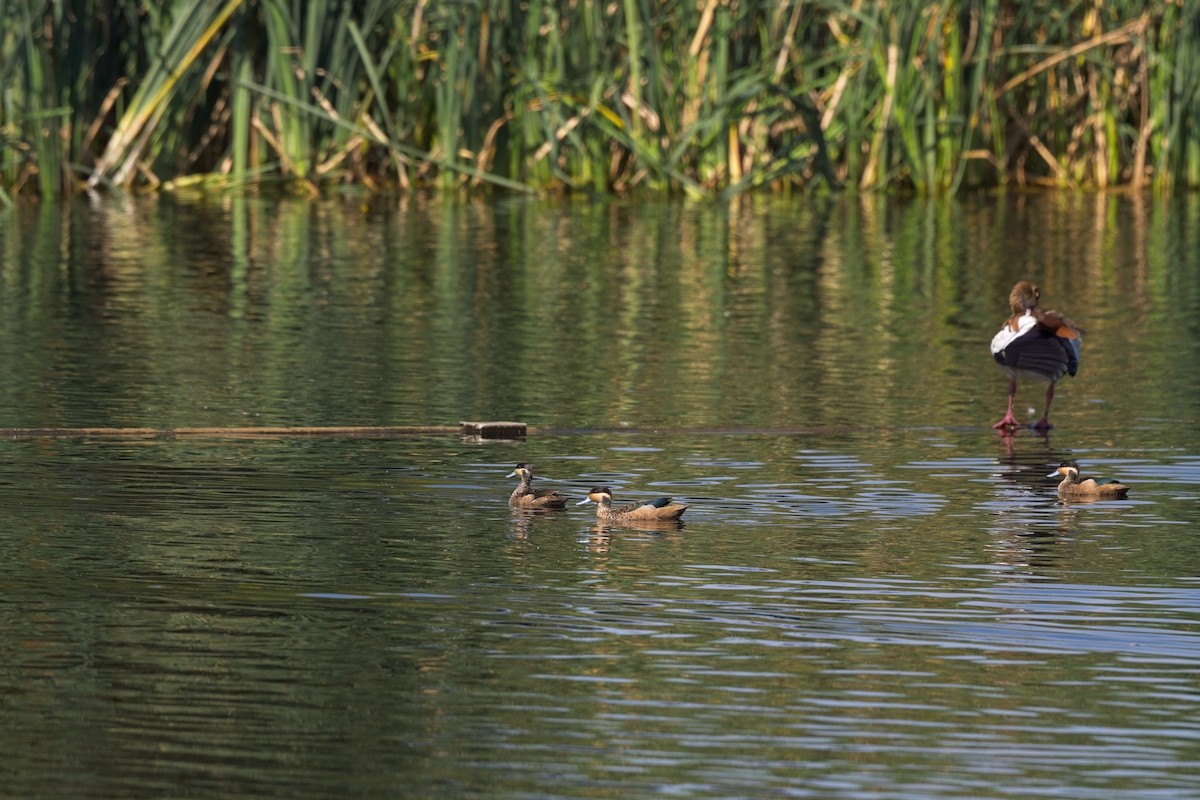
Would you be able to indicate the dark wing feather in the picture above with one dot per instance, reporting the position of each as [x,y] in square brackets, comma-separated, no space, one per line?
[1042,351]
[1068,336]
[660,502]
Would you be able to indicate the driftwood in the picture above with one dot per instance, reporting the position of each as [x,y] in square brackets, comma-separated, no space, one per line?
[475,430]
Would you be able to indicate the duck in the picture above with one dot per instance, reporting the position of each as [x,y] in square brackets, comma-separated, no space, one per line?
[1073,485]
[1033,344]
[525,496]
[659,509]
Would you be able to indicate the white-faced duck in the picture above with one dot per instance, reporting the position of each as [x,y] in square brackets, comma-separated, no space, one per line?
[525,496]
[659,509]
[1074,485]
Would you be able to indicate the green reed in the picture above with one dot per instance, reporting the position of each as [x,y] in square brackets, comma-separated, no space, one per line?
[706,97]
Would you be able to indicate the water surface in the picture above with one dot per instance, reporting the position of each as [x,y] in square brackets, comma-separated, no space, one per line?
[873,594]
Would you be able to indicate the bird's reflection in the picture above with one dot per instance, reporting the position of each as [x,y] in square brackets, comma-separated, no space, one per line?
[523,520]
[600,536]
[1025,465]
[1032,536]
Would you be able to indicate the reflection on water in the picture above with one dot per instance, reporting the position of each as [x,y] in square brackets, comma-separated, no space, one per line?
[820,315]
[870,591]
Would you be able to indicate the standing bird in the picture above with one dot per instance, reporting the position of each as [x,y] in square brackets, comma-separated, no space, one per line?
[525,496]
[1034,344]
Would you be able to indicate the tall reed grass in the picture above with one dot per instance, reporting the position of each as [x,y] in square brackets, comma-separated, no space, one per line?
[706,96]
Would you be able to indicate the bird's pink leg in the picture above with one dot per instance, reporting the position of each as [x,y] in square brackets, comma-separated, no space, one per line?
[1043,424]
[1009,420]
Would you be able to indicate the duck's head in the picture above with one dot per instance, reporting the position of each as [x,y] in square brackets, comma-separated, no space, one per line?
[520,471]
[1066,469]
[1023,297]
[598,495]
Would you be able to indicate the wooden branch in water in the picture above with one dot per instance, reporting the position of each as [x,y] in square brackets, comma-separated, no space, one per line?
[480,430]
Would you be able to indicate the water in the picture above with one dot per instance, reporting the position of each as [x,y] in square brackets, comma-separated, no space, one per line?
[873,595]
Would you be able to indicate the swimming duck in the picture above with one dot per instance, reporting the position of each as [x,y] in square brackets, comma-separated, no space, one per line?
[1034,344]
[660,509]
[525,496]
[1075,486]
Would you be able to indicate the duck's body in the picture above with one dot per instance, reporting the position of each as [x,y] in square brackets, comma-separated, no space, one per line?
[525,496]
[660,509]
[1034,344]
[1075,485]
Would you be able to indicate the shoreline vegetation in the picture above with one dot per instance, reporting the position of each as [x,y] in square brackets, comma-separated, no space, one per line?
[707,97]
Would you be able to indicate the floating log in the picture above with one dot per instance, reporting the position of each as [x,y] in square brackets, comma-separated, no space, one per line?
[493,430]
[475,431]
[487,430]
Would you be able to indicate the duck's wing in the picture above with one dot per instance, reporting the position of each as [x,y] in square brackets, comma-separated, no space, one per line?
[1039,349]
[1060,324]
[545,498]
[663,508]
[1105,481]
[630,508]
[1105,487]
[1068,334]
[673,511]
[646,509]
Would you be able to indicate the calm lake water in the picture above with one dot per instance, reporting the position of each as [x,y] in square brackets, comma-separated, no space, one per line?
[873,594]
